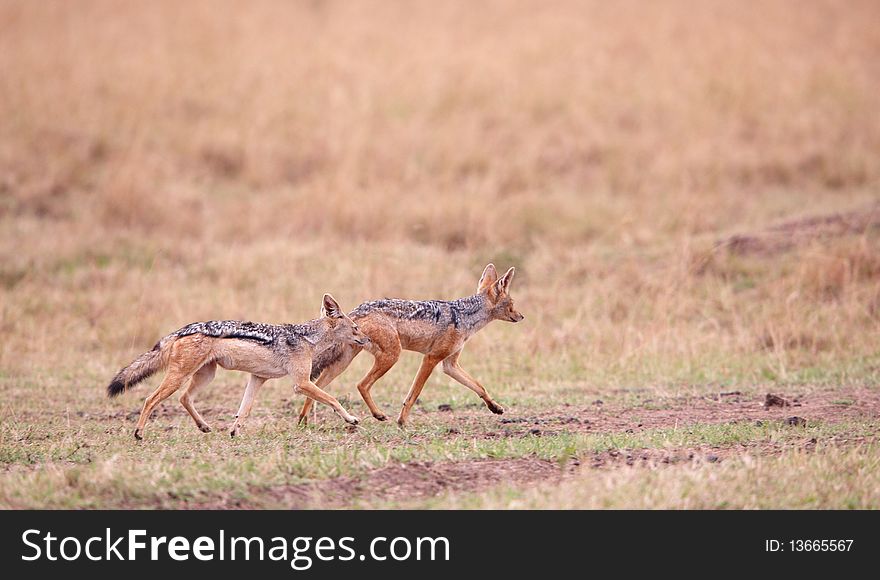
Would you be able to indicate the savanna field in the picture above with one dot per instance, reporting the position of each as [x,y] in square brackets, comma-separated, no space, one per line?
[690,192]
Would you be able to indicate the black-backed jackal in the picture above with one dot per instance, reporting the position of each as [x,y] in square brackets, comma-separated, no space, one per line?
[438,329]
[266,351]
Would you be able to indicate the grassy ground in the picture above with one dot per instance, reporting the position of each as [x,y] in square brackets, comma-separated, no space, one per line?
[839,479]
[154,173]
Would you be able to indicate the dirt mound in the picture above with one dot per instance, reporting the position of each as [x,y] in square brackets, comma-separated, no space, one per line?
[793,233]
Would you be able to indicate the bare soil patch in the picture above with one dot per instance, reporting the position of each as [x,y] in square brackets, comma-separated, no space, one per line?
[710,454]
[728,407]
[413,481]
[406,482]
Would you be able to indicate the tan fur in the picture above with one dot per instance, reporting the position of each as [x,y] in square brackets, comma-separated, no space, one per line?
[194,359]
[389,336]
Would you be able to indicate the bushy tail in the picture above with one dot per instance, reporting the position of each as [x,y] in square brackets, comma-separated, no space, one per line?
[142,368]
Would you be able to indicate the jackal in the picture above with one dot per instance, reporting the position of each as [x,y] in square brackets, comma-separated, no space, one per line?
[266,351]
[436,328]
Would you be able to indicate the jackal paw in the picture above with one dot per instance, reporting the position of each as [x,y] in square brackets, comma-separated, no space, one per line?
[495,407]
[234,432]
[138,434]
[205,428]
[352,420]
[380,416]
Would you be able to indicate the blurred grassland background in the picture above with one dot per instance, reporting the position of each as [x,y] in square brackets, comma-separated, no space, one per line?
[165,162]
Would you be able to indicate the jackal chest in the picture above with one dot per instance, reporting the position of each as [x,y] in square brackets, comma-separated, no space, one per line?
[250,357]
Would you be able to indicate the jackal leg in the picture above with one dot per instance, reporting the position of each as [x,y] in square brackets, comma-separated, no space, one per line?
[327,377]
[202,377]
[428,364]
[174,378]
[385,359]
[454,370]
[247,402]
[312,391]
[381,365]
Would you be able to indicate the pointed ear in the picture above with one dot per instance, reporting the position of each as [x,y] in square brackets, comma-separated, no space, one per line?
[489,277]
[503,285]
[329,307]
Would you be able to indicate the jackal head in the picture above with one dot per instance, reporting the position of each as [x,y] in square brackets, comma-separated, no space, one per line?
[342,329]
[498,291]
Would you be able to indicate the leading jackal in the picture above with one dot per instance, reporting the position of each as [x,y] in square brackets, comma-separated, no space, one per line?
[267,351]
[436,328]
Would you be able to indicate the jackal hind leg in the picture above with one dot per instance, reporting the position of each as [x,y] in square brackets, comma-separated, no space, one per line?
[173,380]
[386,358]
[202,377]
[188,355]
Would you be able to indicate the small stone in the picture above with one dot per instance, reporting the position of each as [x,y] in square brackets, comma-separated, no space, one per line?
[445,407]
[796,422]
[535,431]
[712,458]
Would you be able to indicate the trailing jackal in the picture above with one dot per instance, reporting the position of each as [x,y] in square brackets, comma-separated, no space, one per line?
[266,351]
[436,328]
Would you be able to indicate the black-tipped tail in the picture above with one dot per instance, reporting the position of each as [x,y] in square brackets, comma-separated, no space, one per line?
[115,388]
[141,369]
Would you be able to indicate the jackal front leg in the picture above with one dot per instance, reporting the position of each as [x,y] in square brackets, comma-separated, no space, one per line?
[247,402]
[454,370]
[327,377]
[428,364]
[312,391]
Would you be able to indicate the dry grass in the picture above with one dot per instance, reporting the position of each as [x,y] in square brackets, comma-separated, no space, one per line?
[163,162]
[838,479]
